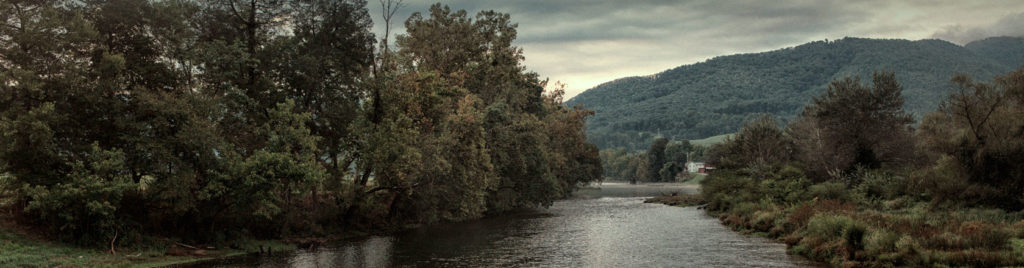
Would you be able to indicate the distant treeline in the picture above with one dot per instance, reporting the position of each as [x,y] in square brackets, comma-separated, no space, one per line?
[853,183]
[218,120]
[664,161]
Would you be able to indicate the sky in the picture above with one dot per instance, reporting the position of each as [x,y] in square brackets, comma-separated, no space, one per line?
[583,43]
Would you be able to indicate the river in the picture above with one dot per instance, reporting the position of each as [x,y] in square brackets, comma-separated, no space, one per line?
[604,226]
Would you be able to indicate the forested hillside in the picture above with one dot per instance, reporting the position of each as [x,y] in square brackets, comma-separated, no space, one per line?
[1006,50]
[717,96]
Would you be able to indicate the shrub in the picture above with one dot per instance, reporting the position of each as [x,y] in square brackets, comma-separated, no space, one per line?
[981,235]
[800,215]
[946,241]
[830,227]
[788,190]
[725,189]
[84,208]
[829,190]
[879,185]
[853,234]
[763,220]
[745,208]
[908,248]
[974,258]
[943,182]
[880,241]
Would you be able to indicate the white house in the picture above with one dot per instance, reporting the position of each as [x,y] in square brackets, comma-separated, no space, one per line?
[698,167]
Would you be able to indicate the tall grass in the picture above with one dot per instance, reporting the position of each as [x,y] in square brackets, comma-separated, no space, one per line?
[868,226]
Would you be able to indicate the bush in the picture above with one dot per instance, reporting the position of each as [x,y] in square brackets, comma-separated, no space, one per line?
[880,241]
[725,189]
[880,185]
[981,235]
[830,227]
[787,190]
[908,248]
[829,190]
[84,208]
[763,220]
[7,188]
[799,216]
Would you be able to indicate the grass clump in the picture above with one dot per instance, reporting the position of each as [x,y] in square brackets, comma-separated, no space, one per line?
[860,226]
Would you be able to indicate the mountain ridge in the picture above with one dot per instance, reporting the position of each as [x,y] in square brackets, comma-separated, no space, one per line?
[716,96]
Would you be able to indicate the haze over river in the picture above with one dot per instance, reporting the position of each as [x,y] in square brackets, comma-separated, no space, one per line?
[604,226]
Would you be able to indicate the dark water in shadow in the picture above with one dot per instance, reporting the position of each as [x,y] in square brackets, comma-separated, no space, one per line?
[607,227]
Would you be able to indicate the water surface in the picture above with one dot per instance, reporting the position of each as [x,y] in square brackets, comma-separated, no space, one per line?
[605,227]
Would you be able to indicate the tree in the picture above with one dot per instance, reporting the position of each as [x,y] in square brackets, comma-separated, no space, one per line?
[534,142]
[759,144]
[852,125]
[678,152]
[981,126]
[671,171]
[639,168]
[656,159]
[762,142]
[323,64]
[221,119]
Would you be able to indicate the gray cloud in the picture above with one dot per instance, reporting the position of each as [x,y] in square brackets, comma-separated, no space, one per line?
[588,42]
[1010,25]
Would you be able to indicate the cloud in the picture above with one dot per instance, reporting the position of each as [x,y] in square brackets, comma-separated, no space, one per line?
[1010,25]
[587,42]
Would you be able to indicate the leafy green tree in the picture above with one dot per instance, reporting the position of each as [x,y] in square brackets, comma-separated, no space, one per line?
[85,207]
[576,162]
[759,144]
[615,163]
[678,152]
[639,168]
[213,120]
[980,126]
[322,63]
[656,159]
[852,125]
[532,165]
[762,142]
[670,172]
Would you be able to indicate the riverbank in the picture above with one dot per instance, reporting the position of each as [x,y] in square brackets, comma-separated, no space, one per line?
[896,232]
[829,223]
[22,249]
[843,234]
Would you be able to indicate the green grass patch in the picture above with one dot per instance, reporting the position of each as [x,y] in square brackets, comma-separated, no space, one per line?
[711,140]
[20,250]
[694,179]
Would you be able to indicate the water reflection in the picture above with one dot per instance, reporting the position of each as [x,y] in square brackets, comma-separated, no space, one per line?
[589,232]
[370,252]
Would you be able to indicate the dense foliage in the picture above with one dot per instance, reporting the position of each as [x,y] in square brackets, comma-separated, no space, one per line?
[213,120]
[850,183]
[717,96]
[664,161]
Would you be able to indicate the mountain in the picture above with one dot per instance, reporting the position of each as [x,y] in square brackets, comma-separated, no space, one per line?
[1006,50]
[717,96]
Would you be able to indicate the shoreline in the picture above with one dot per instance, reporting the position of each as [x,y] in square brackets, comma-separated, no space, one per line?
[804,239]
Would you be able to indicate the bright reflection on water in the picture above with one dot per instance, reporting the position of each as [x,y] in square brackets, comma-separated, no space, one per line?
[609,228]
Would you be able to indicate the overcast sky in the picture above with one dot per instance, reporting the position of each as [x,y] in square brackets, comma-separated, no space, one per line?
[584,43]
